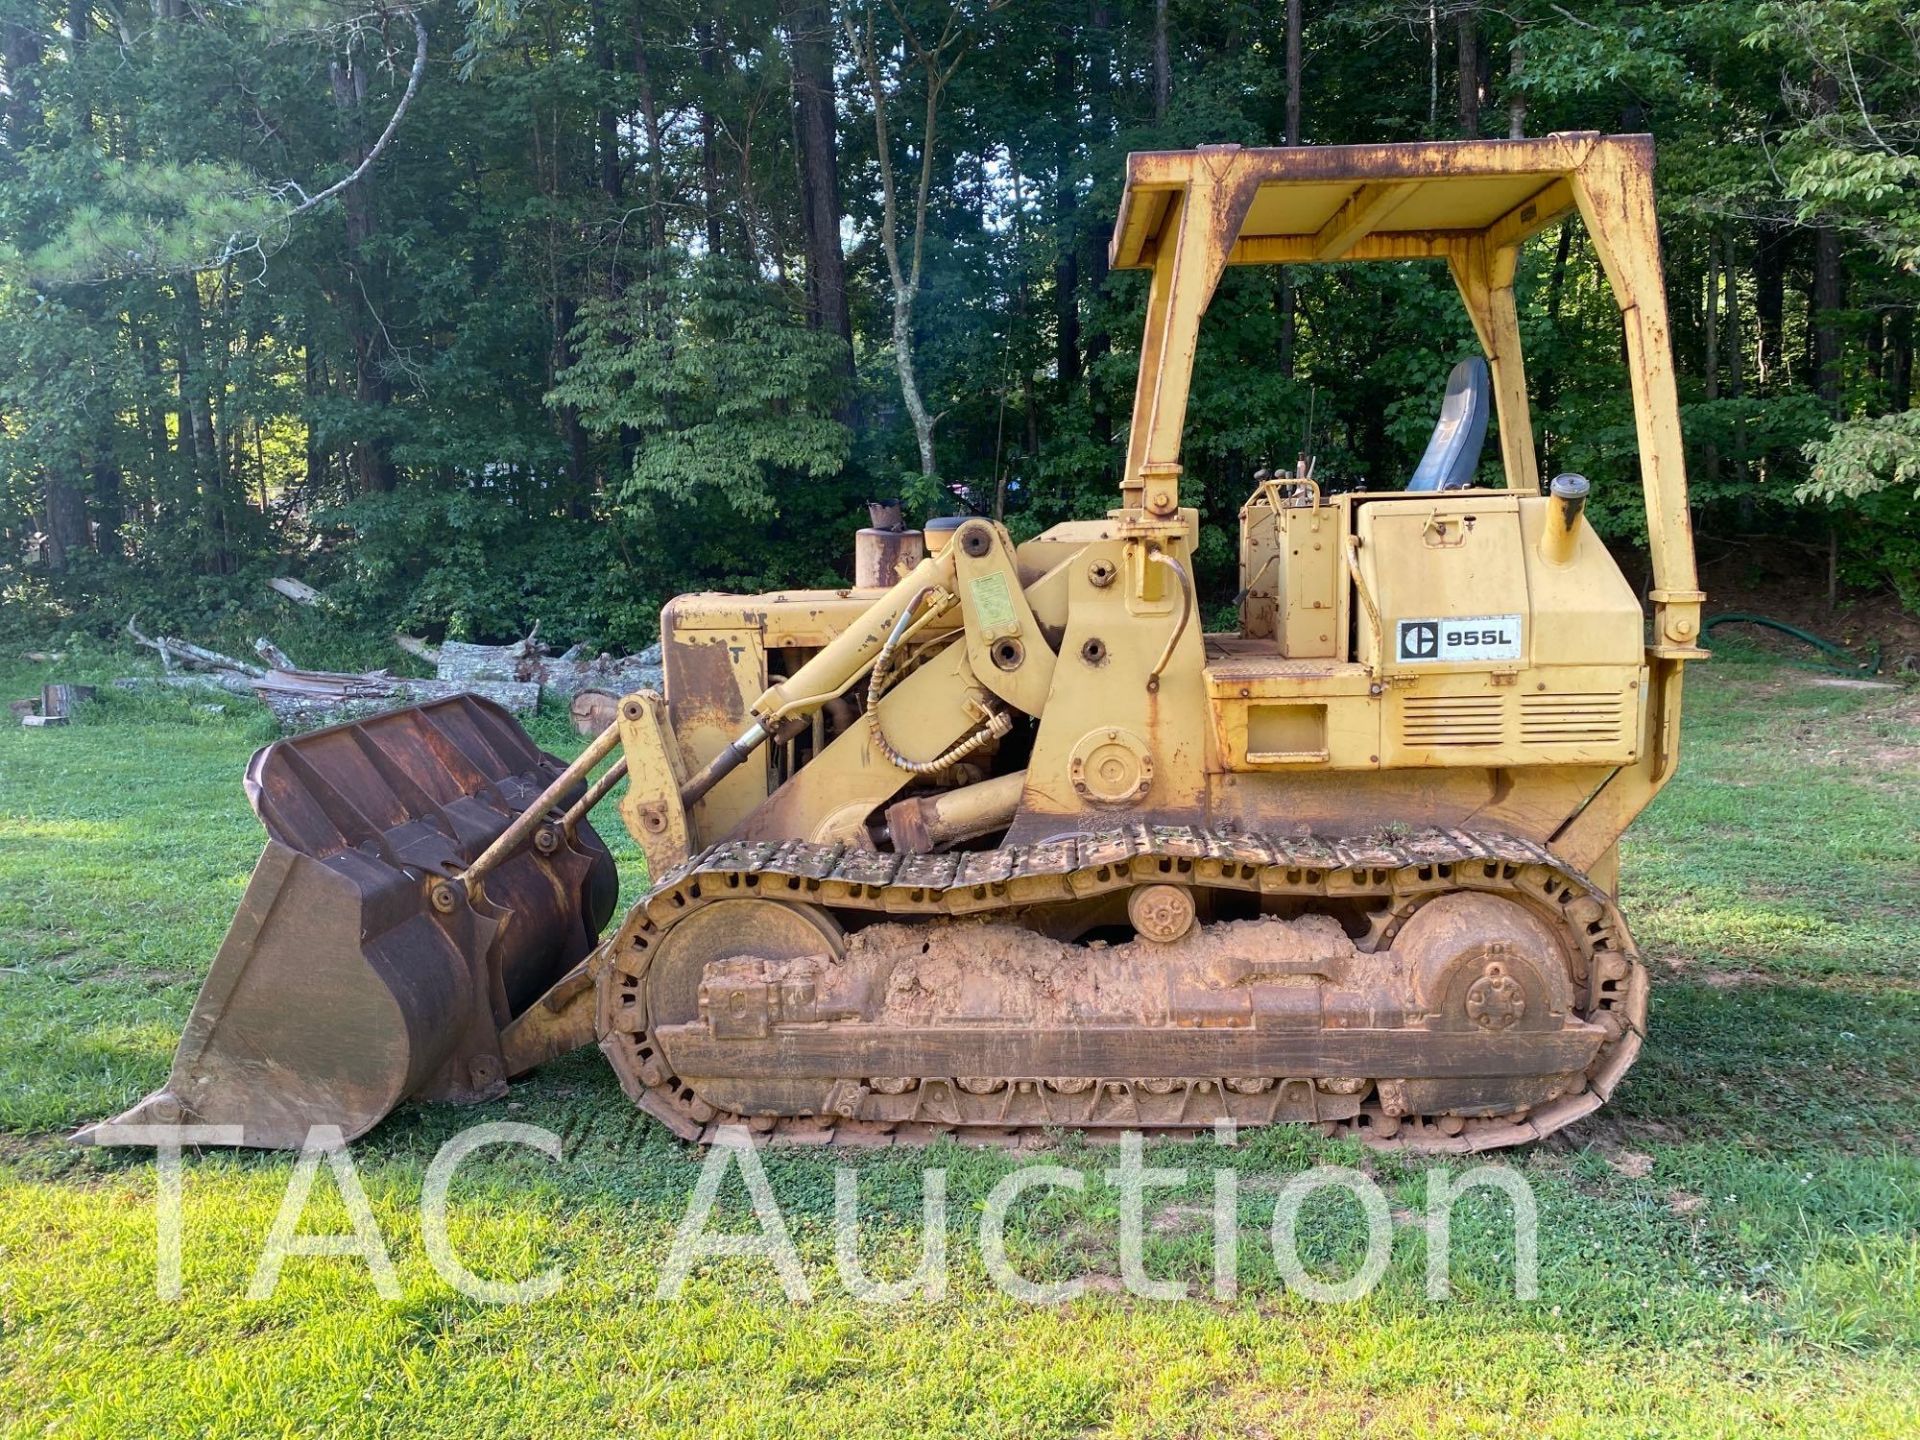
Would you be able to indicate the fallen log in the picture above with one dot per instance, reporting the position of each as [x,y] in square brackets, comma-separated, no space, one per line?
[562,675]
[272,654]
[229,681]
[297,591]
[459,660]
[593,710]
[196,656]
[302,699]
[56,704]
[621,675]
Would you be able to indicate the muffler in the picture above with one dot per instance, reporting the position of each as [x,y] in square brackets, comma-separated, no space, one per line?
[365,965]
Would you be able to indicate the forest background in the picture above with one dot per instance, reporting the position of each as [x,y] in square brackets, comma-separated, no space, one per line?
[481,313]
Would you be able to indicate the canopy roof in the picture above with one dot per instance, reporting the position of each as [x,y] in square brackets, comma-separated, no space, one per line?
[1316,204]
[1188,214]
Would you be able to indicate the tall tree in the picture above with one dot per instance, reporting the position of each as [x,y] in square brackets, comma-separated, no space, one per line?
[935,60]
[1162,63]
[809,27]
[1466,39]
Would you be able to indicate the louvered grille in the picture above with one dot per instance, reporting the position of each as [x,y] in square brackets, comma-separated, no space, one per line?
[1431,722]
[1575,718]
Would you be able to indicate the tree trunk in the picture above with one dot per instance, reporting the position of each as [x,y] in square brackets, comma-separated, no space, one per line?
[104,470]
[199,447]
[709,147]
[159,460]
[565,418]
[816,137]
[1730,280]
[1066,269]
[1770,301]
[1829,288]
[1735,366]
[1293,72]
[1093,263]
[373,467]
[1898,379]
[905,277]
[1710,453]
[1711,329]
[66,527]
[650,130]
[1466,33]
[607,121]
[79,32]
[1433,71]
[108,503]
[21,52]
[315,467]
[1162,63]
[103,461]
[1285,279]
[1516,97]
[1829,295]
[1557,280]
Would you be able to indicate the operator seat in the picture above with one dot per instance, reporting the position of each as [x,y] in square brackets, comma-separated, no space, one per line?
[1453,454]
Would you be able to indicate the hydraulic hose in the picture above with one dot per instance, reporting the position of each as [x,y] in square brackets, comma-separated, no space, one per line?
[998,723]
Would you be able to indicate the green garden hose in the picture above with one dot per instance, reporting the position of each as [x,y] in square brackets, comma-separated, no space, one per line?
[1834,657]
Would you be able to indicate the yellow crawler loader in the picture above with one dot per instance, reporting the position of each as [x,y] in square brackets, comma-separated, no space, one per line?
[999,838]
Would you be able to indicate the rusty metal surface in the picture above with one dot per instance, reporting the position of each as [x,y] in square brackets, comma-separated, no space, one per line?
[1443,1030]
[341,989]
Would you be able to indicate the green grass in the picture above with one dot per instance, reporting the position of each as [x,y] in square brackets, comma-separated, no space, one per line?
[1729,1249]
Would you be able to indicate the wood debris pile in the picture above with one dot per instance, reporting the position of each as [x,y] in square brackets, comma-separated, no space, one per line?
[513,676]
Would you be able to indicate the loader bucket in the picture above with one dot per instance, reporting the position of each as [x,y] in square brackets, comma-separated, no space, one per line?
[341,989]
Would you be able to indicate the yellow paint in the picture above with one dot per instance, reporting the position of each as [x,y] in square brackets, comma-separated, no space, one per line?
[1422,659]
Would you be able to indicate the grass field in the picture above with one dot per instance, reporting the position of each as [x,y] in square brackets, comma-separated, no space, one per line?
[1731,1249]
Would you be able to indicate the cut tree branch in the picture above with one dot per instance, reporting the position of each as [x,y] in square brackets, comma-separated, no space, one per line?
[393,121]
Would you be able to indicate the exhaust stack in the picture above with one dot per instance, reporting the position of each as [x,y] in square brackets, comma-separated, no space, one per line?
[1566,498]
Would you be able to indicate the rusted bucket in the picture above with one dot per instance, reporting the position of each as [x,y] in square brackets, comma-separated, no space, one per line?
[341,989]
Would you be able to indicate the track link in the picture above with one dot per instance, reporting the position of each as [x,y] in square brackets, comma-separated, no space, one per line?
[1397,873]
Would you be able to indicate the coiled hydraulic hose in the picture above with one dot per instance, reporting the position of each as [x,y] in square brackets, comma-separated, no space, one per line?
[998,722]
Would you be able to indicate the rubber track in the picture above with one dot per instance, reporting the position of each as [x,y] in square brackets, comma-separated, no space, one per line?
[1400,870]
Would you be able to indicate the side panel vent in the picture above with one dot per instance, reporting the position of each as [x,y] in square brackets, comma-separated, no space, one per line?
[1452,722]
[1574,718]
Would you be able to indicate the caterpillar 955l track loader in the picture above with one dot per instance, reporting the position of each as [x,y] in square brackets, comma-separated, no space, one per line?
[1001,839]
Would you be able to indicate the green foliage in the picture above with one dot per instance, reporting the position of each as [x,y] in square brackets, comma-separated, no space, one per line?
[487,573]
[713,381]
[1853,157]
[542,362]
[1865,456]
[155,218]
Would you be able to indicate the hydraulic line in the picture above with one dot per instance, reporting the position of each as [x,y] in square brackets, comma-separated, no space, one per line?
[997,722]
